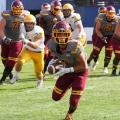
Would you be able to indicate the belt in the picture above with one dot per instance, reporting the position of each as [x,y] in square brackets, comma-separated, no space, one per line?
[33,51]
[16,41]
[37,51]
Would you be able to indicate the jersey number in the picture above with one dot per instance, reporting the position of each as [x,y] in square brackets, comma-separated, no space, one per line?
[16,25]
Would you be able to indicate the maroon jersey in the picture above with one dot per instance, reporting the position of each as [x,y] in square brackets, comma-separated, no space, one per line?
[46,21]
[107,27]
[69,57]
[13,25]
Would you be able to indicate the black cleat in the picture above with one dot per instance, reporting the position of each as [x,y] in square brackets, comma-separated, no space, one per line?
[11,76]
[119,73]
[114,73]
[1,82]
[88,62]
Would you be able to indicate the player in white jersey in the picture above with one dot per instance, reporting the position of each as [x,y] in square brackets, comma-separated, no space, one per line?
[33,49]
[74,20]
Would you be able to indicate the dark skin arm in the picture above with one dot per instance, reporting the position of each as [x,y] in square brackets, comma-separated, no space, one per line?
[97,29]
[81,63]
[117,29]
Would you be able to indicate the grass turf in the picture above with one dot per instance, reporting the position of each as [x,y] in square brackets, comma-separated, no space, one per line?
[22,101]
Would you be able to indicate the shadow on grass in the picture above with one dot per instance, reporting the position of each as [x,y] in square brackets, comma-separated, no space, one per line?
[33,78]
[102,75]
[3,88]
[26,79]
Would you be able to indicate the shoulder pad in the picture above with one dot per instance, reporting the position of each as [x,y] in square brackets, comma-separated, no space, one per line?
[77,17]
[5,14]
[25,12]
[37,15]
[39,31]
[38,28]
[101,16]
[76,47]
[43,13]
[117,18]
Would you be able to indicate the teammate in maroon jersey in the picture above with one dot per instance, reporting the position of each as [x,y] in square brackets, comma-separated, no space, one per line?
[104,29]
[11,34]
[46,21]
[116,48]
[101,10]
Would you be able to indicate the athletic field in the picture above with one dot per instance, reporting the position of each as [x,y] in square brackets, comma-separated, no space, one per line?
[22,101]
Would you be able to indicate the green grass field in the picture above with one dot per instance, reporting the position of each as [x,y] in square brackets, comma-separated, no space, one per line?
[22,101]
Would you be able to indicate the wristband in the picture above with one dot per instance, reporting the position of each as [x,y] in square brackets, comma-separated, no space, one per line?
[26,40]
[4,38]
[72,69]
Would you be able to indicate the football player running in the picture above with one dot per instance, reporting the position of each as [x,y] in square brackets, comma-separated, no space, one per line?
[74,20]
[33,49]
[11,34]
[75,73]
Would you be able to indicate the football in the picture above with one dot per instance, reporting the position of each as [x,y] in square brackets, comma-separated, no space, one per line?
[55,67]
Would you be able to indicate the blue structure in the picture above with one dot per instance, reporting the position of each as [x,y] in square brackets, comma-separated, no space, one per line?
[87,13]
[29,4]
[2,6]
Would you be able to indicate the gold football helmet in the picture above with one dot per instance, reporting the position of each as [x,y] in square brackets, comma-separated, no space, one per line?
[30,18]
[45,7]
[111,12]
[102,9]
[56,7]
[30,22]
[61,32]
[17,8]
[67,10]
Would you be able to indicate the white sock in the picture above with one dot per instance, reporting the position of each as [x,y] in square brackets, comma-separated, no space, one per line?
[40,83]
[17,74]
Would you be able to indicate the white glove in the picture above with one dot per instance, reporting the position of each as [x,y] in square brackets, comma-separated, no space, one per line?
[7,40]
[52,61]
[63,71]
[25,40]
[104,39]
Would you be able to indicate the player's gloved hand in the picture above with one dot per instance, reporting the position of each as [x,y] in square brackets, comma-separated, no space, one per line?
[25,40]
[63,71]
[52,61]
[7,40]
[104,39]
